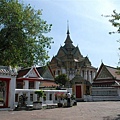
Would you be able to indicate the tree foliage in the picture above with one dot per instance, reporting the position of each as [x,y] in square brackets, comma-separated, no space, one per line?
[40,94]
[115,20]
[61,79]
[23,40]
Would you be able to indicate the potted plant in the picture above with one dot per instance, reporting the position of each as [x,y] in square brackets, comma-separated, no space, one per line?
[74,102]
[38,104]
[61,98]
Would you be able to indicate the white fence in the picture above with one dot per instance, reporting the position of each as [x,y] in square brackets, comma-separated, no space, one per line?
[32,97]
[105,94]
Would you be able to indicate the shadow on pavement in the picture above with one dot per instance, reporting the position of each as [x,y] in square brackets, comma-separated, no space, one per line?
[109,118]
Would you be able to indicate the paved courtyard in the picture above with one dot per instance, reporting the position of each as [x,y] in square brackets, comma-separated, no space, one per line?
[83,111]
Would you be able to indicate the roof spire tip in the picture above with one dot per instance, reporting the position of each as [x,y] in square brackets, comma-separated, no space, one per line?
[68,27]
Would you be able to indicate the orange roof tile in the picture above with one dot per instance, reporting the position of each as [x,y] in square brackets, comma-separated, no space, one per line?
[48,84]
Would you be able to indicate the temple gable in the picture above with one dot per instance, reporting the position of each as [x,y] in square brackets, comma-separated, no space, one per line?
[104,73]
[32,74]
[47,74]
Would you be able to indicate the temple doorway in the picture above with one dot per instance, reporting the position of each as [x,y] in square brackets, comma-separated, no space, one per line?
[78,91]
[4,93]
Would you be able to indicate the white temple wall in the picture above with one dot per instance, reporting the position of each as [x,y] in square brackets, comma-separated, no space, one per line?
[12,92]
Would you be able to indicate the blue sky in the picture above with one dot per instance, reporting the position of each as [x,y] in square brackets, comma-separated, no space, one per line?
[88,29]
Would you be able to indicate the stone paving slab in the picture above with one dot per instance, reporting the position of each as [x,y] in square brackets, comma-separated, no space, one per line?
[83,111]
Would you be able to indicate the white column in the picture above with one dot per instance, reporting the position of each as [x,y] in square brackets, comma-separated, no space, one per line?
[12,87]
[118,90]
[85,74]
[34,97]
[47,95]
[28,99]
[94,73]
[37,83]
[63,71]
[90,76]
[53,95]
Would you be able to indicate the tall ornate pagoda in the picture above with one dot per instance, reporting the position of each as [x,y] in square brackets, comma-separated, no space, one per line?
[71,62]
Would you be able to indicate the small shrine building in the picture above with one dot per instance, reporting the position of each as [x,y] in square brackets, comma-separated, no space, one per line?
[106,84]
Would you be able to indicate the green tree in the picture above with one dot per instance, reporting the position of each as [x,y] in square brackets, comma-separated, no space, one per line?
[115,20]
[23,40]
[61,79]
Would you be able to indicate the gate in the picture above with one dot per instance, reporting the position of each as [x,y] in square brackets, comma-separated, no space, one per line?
[78,92]
[4,92]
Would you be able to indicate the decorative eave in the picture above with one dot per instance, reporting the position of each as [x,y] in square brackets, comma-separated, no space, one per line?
[29,79]
[33,68]
[5,70]
[105,81]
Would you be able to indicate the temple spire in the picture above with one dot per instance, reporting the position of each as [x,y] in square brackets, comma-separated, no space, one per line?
[68,27]
[68,42]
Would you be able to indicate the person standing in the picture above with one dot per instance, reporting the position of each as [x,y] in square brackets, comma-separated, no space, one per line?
[68,99]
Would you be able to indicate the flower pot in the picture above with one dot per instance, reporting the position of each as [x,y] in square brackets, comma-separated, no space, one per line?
[74,102]
[60,105]
[65,103]
[37,105]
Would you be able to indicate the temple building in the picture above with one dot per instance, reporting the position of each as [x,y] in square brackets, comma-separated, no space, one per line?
[106,84]
[71,62]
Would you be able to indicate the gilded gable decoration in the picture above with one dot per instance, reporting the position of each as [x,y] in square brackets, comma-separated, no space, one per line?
[104,74]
